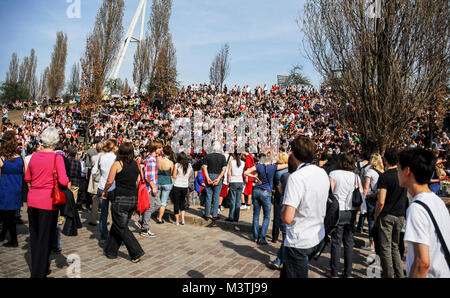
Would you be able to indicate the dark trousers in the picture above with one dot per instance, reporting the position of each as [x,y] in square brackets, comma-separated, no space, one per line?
[9,224]
[296,260]
[179,199]
[343,234]
[119,233]
[276,226]
[42,225]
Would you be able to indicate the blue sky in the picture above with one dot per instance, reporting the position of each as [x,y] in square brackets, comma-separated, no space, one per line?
[263,35]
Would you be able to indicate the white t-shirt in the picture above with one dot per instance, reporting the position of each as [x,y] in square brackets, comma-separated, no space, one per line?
[306,191]
[104,164]
[420,229]
[236,172]
[373,175]
[345,184]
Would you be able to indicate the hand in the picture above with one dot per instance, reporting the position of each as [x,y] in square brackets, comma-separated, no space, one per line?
[154,191]
[209,180]
[104,195]
[216,182]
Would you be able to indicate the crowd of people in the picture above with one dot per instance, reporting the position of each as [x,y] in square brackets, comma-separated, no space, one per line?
[100,163]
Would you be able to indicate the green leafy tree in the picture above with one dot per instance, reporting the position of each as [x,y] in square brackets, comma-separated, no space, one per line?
[12,91]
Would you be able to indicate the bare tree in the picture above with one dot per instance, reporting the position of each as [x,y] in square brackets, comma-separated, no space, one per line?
[108,30]
[55,82]
[159,29]
[166,69]
[30,77]
[23,70]
[73,86]
[91,75]
[142,62]
[383,69]
[220,67]
[12,76]
[43,83]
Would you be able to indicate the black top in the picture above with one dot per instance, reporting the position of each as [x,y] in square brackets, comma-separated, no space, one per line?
[396,201]
[126,180]
[215,163]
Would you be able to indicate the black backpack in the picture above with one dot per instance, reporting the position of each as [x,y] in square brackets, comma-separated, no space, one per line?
[331,219]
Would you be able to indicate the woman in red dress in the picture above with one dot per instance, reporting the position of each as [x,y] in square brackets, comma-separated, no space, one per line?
[249,181]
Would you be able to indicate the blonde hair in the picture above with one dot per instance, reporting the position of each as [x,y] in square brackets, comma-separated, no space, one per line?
[283,158]
[109,146]
[376,162]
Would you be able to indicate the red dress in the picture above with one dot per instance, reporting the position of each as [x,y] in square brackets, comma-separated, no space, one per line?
[249,163]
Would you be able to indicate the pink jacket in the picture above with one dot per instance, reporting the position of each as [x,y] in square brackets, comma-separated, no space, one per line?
[40,174]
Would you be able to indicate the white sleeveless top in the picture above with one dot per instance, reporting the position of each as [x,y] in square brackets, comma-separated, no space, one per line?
[182,179]
[236,172]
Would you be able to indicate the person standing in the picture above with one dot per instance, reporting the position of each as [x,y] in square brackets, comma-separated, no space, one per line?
[426,256]
[390,213]
[214,167]
[343,182]
[262,195]
[304,208]
[74,174]
[277,199]
[12,171]
[42,214]
[181,175]
[249,181]
[151,176]
[235,173]
[165,184]
[125,173]
[93,186]
[103,166]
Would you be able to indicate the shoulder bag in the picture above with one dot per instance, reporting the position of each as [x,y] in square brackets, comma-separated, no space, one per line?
[356,196]
[143,194]
[58,197]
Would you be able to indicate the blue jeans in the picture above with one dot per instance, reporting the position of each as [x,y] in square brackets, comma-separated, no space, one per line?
[104,206]
[297,259]
[260,199]
[280,255]
[370,213]
[164,192]
[212,196]
[235,200]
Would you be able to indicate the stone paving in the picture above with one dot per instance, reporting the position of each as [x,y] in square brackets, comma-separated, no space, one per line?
[197,250]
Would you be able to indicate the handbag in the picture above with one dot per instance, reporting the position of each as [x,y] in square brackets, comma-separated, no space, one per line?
[143,195]
[99,171]
[356,196]
[58,197]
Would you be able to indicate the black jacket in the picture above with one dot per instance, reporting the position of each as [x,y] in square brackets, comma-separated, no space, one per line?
[73,222]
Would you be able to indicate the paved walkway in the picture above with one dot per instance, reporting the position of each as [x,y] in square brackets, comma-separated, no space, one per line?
[196,249]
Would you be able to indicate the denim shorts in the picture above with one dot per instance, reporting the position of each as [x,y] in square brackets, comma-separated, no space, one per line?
[164,192]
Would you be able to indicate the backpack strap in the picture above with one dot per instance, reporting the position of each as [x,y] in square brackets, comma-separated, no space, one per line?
[438,231]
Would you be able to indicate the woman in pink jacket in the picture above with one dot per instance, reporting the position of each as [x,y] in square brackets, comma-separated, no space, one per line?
[42,214]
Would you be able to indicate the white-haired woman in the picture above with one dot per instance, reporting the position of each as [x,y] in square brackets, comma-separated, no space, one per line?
[42,214]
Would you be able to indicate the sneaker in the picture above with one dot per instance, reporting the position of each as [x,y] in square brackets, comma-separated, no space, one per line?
[262,242]
[221,208]
[243,207]
[147,234]
[176,223]
[369,248]
[137,259]
[159,222]
[247,207]
[274,265]
[138,224]
[182,223]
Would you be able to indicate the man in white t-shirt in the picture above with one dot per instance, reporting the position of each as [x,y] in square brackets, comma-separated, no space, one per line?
[304,208]
[426,254]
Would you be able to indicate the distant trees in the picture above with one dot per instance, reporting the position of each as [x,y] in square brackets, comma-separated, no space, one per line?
[142,63]
[55,80]
[21,82]
[296,77]
[73,86]
[220,67]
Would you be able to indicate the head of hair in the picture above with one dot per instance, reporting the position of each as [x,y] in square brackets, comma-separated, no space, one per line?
[99,147]
[49,137]
[72,151]
[167,150]
[125,152]
[391,157]
[421,163]
[303,149]
[183,161]
[376,162]
[109,145]
[155,145]
[238,157]
[346,162]
[283,158]
[9,135]
[9,148]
